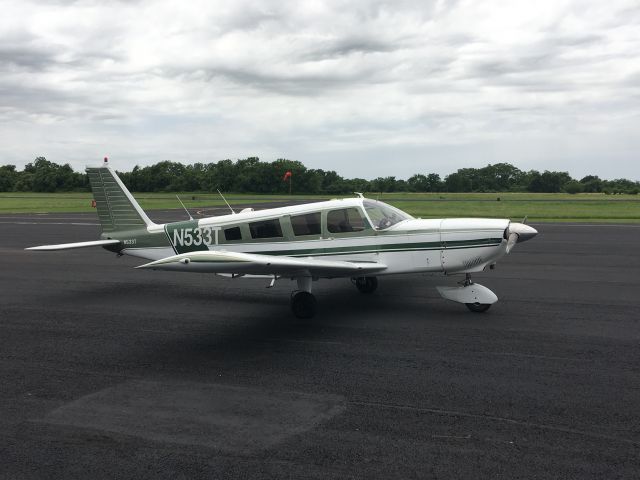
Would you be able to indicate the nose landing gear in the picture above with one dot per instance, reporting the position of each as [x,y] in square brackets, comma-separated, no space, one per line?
[476,297]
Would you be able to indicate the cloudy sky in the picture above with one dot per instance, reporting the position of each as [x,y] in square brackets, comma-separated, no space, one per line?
[367,88]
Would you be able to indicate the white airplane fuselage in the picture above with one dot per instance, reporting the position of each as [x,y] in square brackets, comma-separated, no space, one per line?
[447,246]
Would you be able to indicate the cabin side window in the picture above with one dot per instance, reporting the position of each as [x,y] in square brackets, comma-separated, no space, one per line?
[266,229]
[345,220]
[307,224]
[233,233]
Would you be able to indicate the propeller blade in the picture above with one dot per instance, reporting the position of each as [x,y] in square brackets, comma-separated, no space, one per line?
[513,239]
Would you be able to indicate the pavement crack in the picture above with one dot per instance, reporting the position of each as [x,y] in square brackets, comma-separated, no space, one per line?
[495,418]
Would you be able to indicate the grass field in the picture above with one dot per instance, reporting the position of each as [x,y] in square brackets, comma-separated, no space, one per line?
[544,207]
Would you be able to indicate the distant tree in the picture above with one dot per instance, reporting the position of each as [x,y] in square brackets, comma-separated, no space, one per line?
[418,183]
[534,183]
[460,181]
[434,183]
[591,184]
[250,175]
[8,178]
[573,187]
[352,185]
[549,182]
[400,186]
[44,175]
[313,181]
[225,176]
[621,185]
[424,183]
[24,182]
[383,184]
[497,178]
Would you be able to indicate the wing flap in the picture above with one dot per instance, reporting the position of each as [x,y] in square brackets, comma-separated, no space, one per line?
[69,246]
[258,264]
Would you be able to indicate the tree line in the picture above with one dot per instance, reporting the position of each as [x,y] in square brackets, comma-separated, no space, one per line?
[250,175]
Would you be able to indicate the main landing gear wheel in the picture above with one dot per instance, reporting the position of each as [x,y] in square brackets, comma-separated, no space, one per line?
[365,284]
[303,305]
[478,307]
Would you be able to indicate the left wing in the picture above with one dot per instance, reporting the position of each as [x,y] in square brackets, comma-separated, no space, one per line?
[216,261]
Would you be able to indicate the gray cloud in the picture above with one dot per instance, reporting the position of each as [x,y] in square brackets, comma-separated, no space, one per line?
[27,57]
[347,46]
[352,85]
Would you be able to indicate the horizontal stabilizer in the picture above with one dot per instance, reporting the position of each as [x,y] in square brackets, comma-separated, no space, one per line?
[69,246]
[258,264]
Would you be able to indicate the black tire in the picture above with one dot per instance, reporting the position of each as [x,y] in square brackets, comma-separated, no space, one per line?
[478,307]
[366,284]
[303,305]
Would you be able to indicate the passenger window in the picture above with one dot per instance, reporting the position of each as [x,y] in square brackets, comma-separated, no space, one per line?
[265,229]
[232,233]
[308,224]
[345,220]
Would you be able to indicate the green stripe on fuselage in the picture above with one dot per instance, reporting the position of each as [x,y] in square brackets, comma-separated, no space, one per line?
[394,247]
[178,232]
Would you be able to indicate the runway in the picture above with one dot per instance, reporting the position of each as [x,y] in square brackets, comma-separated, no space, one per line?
[107,371]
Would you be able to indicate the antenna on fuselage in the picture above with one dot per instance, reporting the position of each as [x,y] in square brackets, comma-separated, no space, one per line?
[185,208]
[225,201]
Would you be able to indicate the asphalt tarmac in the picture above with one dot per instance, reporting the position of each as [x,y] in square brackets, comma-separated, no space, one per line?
[107,371]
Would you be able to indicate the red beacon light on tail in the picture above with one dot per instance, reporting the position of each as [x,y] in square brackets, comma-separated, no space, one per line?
[106,159]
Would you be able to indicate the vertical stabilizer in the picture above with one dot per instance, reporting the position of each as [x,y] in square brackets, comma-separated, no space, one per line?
[117,209]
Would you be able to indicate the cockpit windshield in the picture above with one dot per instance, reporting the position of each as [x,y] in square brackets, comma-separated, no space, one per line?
[383,216]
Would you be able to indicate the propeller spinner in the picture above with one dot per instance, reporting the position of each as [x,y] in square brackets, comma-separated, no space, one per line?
[519,232]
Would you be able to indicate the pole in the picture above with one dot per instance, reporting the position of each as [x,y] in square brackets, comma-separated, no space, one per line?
[290,181]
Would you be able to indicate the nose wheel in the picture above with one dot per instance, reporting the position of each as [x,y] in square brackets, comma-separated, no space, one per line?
[478,307]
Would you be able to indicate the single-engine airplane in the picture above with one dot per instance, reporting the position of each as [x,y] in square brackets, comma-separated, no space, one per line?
[356,238]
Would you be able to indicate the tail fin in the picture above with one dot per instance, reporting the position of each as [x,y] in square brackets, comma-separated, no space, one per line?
[117,209]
